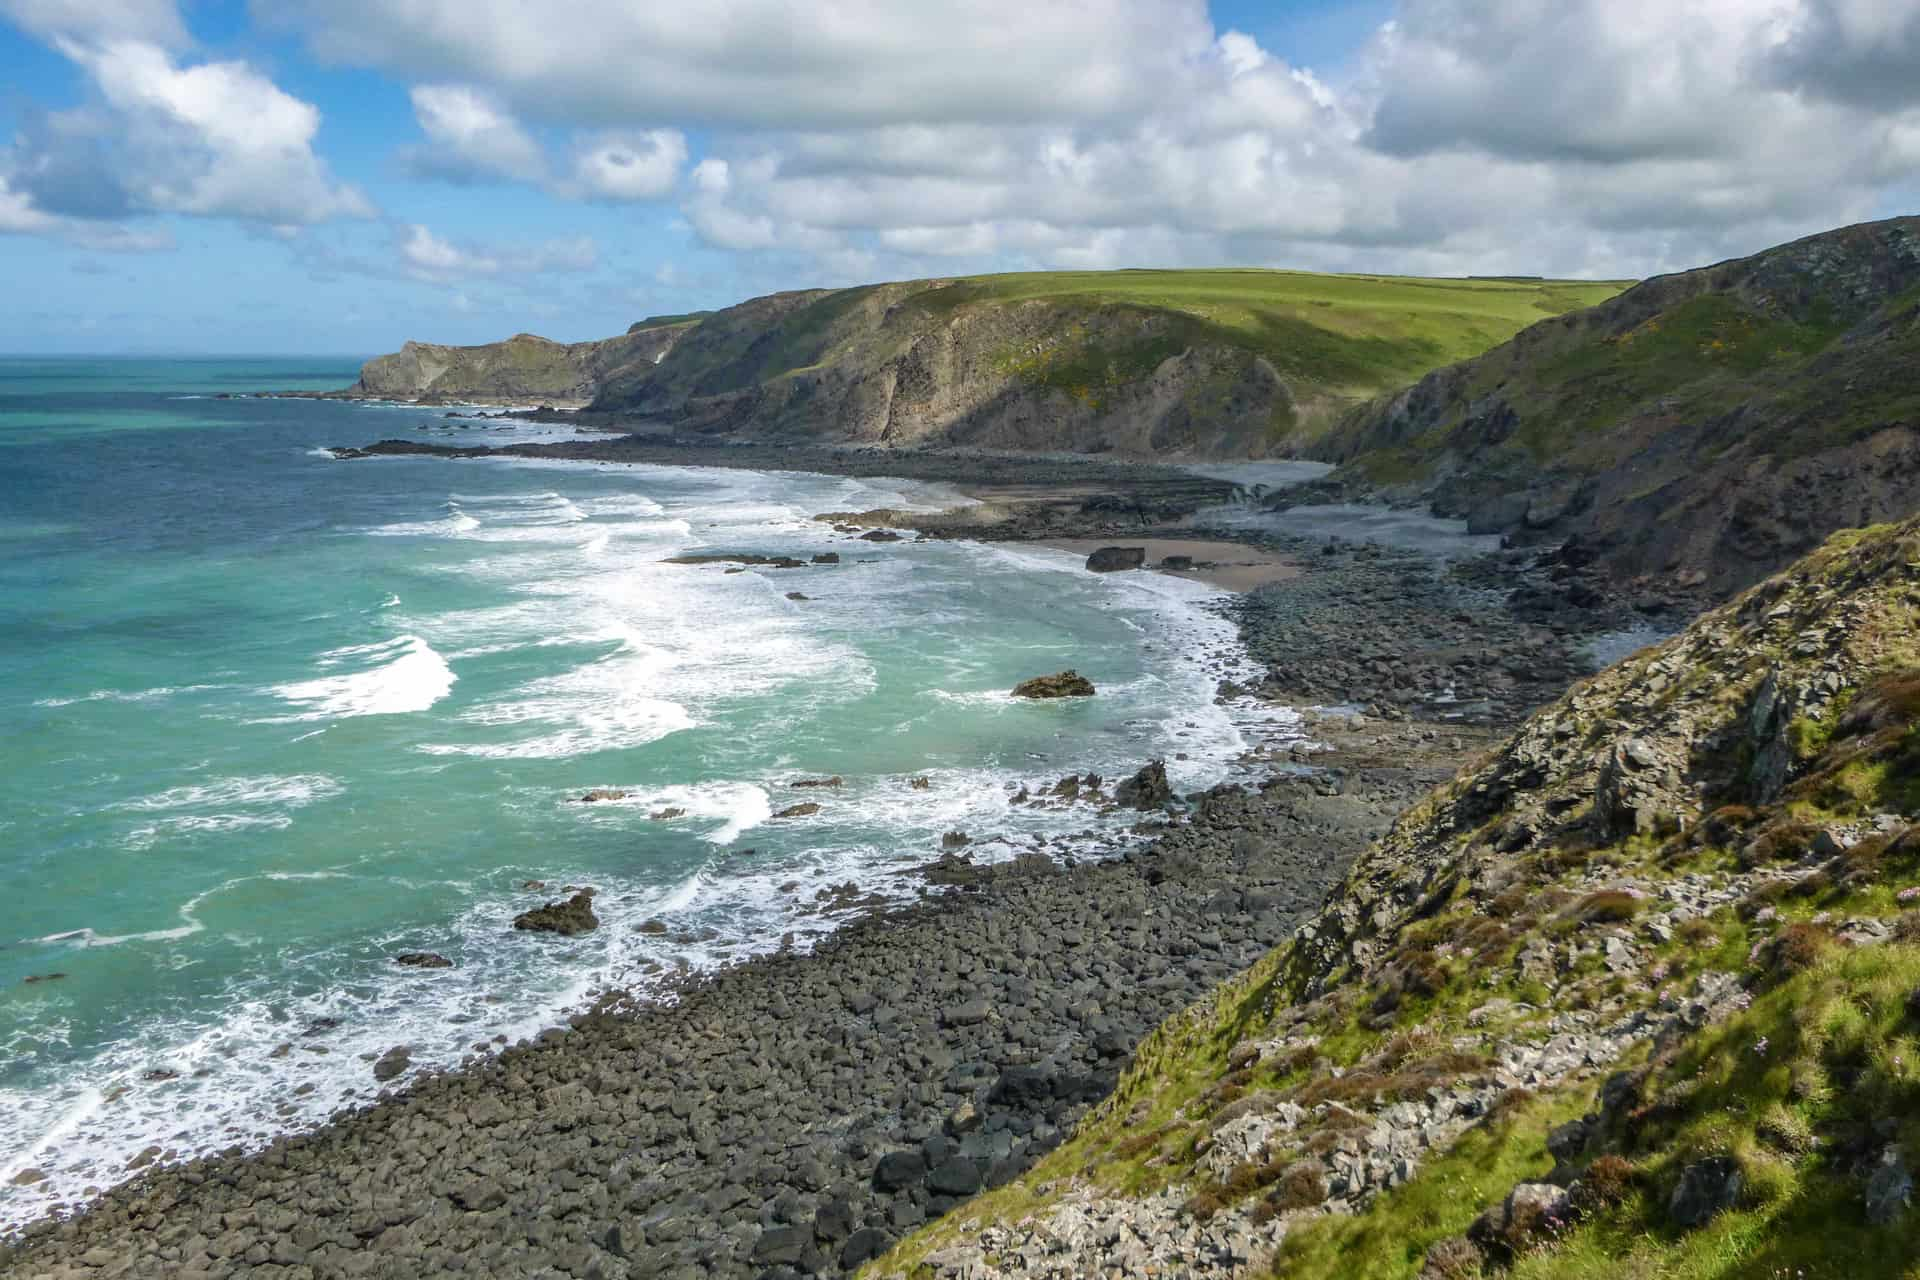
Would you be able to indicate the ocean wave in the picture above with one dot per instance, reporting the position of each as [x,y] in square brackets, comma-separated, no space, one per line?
[737,806]
[292,791]
[125,695]
[412,677]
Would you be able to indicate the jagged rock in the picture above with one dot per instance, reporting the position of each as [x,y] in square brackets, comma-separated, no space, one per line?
[1114,559]
[827,557]
[602,793]
[1531,1213]
[1706,1187]
[798,810]
[1147,789]
[835,781]
[1064,684]
[666,815]
[879,535]
[574,916]
[423,960]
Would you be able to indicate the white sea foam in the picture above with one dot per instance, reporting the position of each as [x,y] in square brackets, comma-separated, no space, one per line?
[738,807]
[291,791]
[396,676]
[125,695]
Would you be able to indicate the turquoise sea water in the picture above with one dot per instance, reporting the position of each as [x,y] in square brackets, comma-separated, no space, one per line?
[268,719]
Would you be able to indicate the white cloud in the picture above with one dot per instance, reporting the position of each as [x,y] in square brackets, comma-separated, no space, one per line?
[433,259]
[470,136]
[629,166]
[775,63]
[20,216]
[155,21]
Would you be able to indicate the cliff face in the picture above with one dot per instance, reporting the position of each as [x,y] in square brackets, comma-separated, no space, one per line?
[1701,428]
[1633,995]
[524,367]
[1197,364]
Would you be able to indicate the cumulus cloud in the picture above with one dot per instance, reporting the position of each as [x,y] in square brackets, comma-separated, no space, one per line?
[774,63]
[471,137]
[162,134]
[629,166]
[1864,52]
[155,21]
[215,139]
[433,259]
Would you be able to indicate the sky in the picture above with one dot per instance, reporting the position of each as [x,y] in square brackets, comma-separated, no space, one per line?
[337,176]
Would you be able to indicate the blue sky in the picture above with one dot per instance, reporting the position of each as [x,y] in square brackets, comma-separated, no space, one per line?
[281,176]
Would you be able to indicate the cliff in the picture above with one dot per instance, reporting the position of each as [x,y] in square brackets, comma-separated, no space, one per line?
[1190,363]
[522,368]
[1699,430]
[1633,995]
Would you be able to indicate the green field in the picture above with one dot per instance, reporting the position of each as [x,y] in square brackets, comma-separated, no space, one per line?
[1349,335]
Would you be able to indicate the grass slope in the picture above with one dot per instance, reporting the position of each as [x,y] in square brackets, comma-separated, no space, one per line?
[1680,423]
[1096,337]
[1778,864]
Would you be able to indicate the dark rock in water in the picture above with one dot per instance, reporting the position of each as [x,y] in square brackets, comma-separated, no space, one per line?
[392,1063]
[602,793]
[423,960]
[955,840]
[575,915]
[835,781]
[796,595]
[879,535]
[921,784]
[44,977]
[1114,559]
[951,869]
[798,810]
[1064,684]
[27,1177]
[827,557]
[1147,789]
[653,926]
[666,815]
[1178,564]
[1706,1187]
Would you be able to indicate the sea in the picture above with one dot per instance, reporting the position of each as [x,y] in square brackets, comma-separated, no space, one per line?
[269,719]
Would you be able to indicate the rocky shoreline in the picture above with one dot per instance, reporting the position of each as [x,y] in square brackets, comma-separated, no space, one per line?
[797,1114]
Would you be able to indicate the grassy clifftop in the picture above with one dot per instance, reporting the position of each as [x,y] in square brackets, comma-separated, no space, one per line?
[1707,426]
[1639,994]
[1219,362]
[523,367]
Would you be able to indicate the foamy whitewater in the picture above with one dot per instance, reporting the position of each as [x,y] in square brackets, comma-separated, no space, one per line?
[271,719]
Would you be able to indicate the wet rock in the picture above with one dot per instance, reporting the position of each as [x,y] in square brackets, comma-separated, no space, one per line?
[920,784]
[827,557]
[955,840]
[798,595]
[423,960]
[879,535]
[666,815]
[1177,564]
[1147,789]
[1706,1187]
[32,978]
[1063,684]
[798,810]
[394,1062]
[573,916]
[1115,559]
[602,793]
[835,781]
